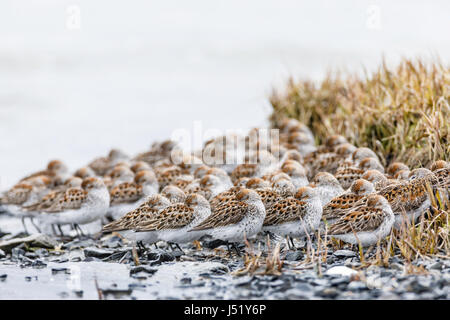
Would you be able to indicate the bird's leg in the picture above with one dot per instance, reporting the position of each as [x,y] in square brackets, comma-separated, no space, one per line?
[34,225]
[24,226]
[141,246]
[76,230]
[229,250]
[61,233]
[77,226]
[238,252]
[179,248]
[197,244]
[292,243]
[288,242]
[53,229]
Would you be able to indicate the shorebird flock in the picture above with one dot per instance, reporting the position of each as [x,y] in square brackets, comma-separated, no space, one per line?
[289,187]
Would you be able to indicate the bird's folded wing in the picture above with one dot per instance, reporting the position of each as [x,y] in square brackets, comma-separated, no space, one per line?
[269,197]
[126,192]
[130,220]
[174,217]
[358,220]
[287,210]
[442,179]
[221,198]
[36,174]
[407,196]
[46,202]
[338,205]
[227,214]
[73,198]
[17,195]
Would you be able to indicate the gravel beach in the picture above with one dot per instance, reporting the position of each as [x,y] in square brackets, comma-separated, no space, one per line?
[105,269]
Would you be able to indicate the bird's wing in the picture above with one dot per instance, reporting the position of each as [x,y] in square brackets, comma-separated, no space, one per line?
[72,198]
[46,202]
[227,214]
[17,195]
[287,210]
[131,219]
[173,217]
[340,204]
[359,220]
[126,192]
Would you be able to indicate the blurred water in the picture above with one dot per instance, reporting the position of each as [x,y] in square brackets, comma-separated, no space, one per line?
[134,71]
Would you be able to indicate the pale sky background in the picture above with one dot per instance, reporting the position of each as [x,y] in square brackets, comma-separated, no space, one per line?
[132,72]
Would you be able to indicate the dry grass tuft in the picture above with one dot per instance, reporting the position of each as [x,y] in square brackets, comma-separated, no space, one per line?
[255,264]
[401,113]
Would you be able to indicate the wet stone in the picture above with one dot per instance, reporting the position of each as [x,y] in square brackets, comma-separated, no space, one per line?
[277,283]
[409,296]
[396,266]
[296,293]
[243,281]
[386,273]
[214,244]
[222,269]
[186,281]
[17,253]
[339,282]
[340,271]
[97,253]
[304,287]
[116,293]
[44,241]
[320,282]
[138,286]
[441,293]
[77,244]
[118,255]
[177,254]
[92,259]
[24,262]
[344,254]
[41,252]
[60,270]
[31,255]
[443,282]
[357,286]
[29,278]
[139,276]
[294,255]
[36,240]
[38,264]
[79,293]
[193,285]
[74,259]
[420,285]
[159,256]
[436,266]
[60,260]
[427,296]
[142,268]
[328,293]
[113,242]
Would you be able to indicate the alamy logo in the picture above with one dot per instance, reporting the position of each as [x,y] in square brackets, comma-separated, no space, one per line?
[373,21]
[73,19]
[232,146]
